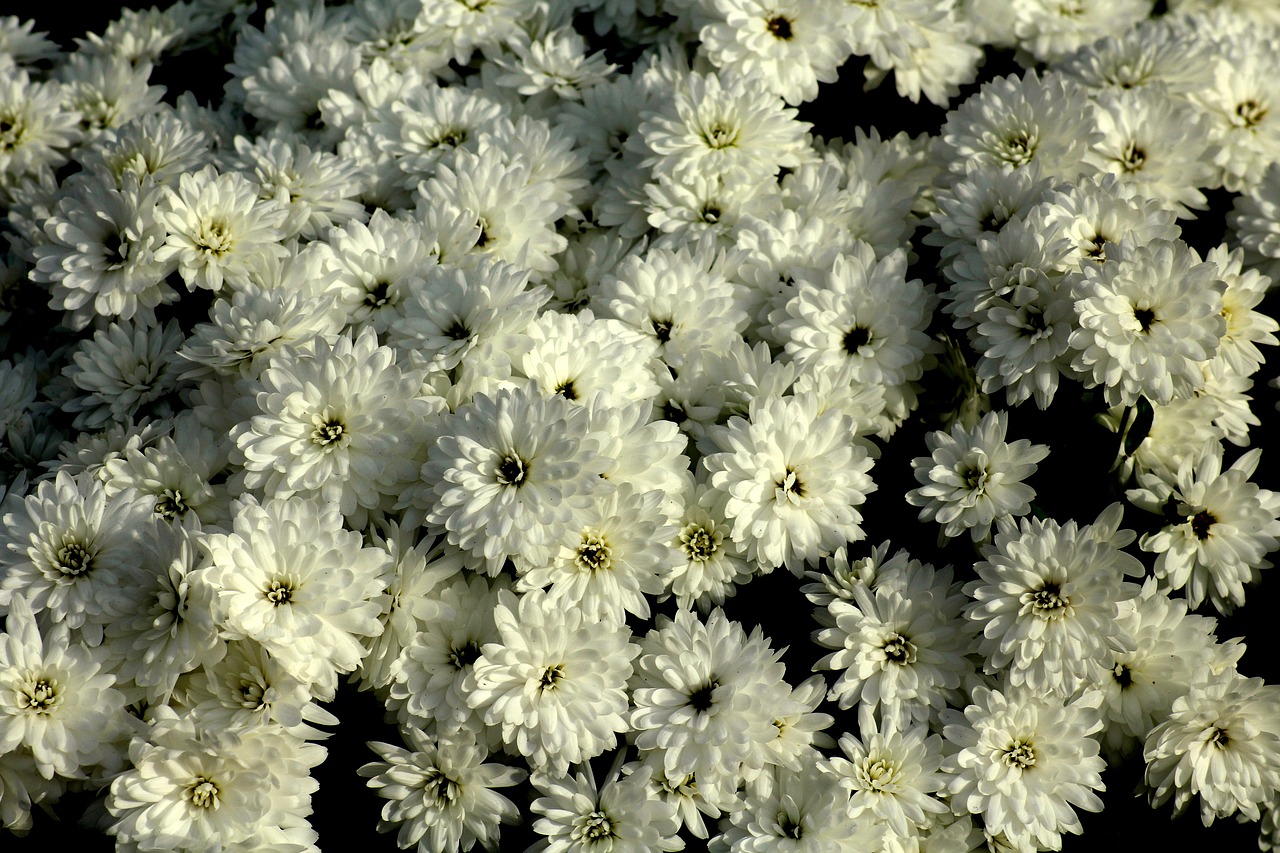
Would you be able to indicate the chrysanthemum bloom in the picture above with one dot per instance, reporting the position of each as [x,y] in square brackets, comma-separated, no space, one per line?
[974,477]
[56,699]
[337,423]
[193,787]
[900,643]
[73,553]
[441,792]
[1148,322]
[1047,598]
[1247,328]
[578,357]
[1222,742]
[35,127]
[320,187]
[290,577]
[1171,649]
[122,369]
[377,267]
[1022,761]
[798,811]
[1226,527]
[218,227]
[510,472]
[555,682]
[704,694]
[625,815]
[894,775]
[790,478]
[709,564]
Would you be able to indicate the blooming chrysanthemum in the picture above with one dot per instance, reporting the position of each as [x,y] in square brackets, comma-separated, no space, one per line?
[1022,761]
[799,811]
[290,577]
[894,775]
[1148,322]
[338,422]
[441,792]
[56,696]
[974,476]
[791,479]
[625,815]
[1047,598]
[555,682]
[510,472]
[1222,742]
[121,369]
[218,228]
[35,128]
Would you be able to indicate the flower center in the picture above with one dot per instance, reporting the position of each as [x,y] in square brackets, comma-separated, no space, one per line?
[203,793]
[789,827]
[1218,737]
[485,237]
[170,504]
[1133,158]
[779,27]
[789,486]
[720,135]
[662,330]
[328,431]
[567,390]
[115,251]
[698,543]
[1019,148]
[215,238]
[595,826]
[1123,675]
[378,295]
[594,553]
[855,339]
[898,649]
[1020,754]
[73,560]
[1249,113]
[1048,602]
[877,774]
[710,213]
[700,699]
[551,677]
[1095,248]
[1201,523]
[1145,317]
[440,787]
[279,592]
[511,471]
[251,693]
[464,655]
[39,696]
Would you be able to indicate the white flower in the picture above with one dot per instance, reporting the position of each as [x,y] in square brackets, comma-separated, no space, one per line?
[894,775]
[1221,741]
[1149,318]
[555,682]
[125,367]
[1226,525]
[290,577]
[578,357]
[377,266]
[56,697]
[510,473]
[709,565]
[1047,598]
[800,811]
[441,793]
[623,816]
[791,480]
[320,187]
[338,422]
[1022,761]
[72,553]
[36,126]
[974,477]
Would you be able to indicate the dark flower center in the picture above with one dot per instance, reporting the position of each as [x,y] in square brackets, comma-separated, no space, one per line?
[855,339]
[700,699]
[511,470]
[1201,522]
[779,27]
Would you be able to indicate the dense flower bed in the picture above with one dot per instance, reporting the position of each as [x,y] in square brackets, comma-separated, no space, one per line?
[602,410]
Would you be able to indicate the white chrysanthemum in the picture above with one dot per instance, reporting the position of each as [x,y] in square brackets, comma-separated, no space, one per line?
[36,127]
[792,45]
[558,63]
[338,422]
[800,811]
[1222,742]
[510,472]
[555,682]
[176,478]
[625,815]
[1050,30]
[441,792]
[377,266]
[865,313]
[1158,53]
[1241,108]
[791,480]
[56,697]
[1012,122]
[1172,648]
[894,775]
[1022,761]
[193,787]
[578,356]
[1226,526]
[101,254]
[1148,322]
[716,125]
[643,453]
[429,677]
[122,369]
[899,637]
[709,564]
[1047,598]
[703,694]
[73,553]
[1255,221]
[290,577]
[974,477]
[321,188]
[1247,328]
[613,562]
[218,228]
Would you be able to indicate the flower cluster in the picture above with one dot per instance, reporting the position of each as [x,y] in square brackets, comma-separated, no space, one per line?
[493,358]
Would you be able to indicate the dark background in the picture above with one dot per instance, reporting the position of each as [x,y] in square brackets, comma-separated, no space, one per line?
[1071,482]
